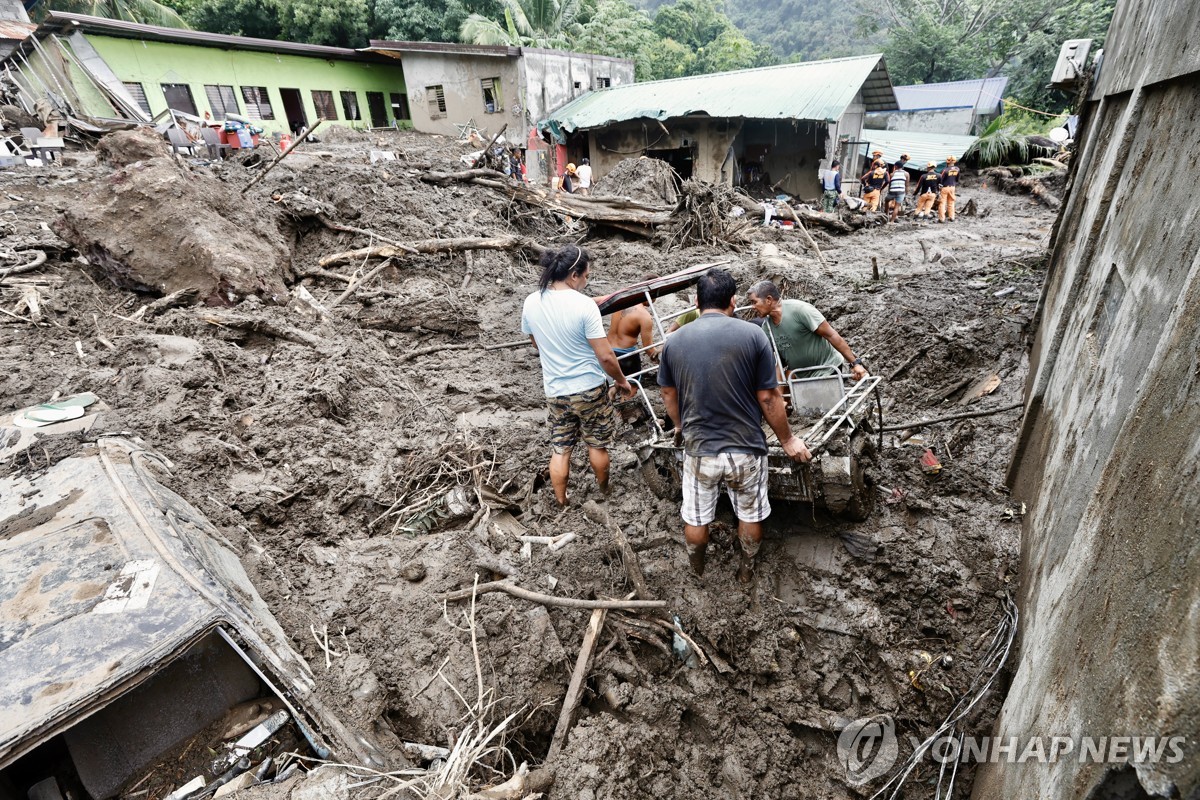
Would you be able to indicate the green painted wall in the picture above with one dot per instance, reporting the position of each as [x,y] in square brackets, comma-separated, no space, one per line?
[155,63]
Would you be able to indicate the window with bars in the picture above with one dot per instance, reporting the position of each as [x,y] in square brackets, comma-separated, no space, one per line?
[493,102]
[436,96]
[323,103]
[350,105]
[222,100]
[603,82]
[258,104]
[138,93]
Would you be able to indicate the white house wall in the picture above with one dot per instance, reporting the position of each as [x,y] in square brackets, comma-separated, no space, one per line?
[460,77]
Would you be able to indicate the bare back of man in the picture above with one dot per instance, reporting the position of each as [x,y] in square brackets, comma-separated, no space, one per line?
[630,330]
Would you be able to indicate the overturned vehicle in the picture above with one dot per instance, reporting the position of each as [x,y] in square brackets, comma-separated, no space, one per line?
[138,659]
[828,409]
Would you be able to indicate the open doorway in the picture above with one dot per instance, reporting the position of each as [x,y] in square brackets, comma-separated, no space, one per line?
[293,108]
[681,159]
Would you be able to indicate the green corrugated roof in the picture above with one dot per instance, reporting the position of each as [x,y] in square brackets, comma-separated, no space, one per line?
[921,147]
[815,90]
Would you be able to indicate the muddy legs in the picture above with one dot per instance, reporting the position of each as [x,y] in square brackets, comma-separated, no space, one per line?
[560,471]
[749,539]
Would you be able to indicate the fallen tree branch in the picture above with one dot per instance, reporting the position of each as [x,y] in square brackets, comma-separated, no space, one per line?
[797,215]
[281,156]
[575,687]
[355,284]
[181,297]
[921,423]
[429,246]
[39,258]
[437,348]
[231,320]
[550,600]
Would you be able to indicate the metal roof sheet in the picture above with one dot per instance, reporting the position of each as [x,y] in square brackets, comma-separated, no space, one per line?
[58,20]
[920,147]
[815,90]
[983,95]
[19,31]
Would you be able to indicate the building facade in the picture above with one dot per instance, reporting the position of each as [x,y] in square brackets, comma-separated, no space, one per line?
[489,86]
[109,68]
[775,127]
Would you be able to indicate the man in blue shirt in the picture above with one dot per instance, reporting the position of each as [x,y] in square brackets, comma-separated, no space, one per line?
[565,328]
[718,382]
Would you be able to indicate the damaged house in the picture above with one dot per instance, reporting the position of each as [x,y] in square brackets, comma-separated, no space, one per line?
[94,70]
[453,88]
[958,108]
[771,126]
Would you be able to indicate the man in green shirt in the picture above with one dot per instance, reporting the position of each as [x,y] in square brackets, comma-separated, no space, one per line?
[803,337]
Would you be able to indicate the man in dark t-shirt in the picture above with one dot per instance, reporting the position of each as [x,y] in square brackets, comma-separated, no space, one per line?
[718,382]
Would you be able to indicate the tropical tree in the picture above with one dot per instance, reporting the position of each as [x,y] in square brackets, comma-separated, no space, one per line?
[147,12]
[618,29]
[532,23]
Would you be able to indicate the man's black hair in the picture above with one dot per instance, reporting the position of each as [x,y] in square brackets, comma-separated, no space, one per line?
[560,263]
[765,290]
[715,289]
[835,163]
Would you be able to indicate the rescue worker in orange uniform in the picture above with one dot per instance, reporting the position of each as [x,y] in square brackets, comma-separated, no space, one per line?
[928,186]
[948,180]
[873,182]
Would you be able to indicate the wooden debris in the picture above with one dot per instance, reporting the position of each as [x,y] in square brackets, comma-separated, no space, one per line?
[354,284]
[575,688]
[231,319]
[981,388]
[299,140]
[39,258]
[428,246]
[181,297]
[921,423]
[550,600]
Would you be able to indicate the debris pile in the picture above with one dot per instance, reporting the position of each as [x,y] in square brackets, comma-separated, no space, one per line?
[366,429]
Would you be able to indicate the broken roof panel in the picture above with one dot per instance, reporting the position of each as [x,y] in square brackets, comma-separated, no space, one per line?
[984,95]
[920,147]
[815,90]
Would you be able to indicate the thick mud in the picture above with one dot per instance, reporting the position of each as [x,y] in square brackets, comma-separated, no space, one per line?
[348,471]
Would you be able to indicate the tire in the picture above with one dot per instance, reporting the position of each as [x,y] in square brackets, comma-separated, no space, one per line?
[862,487]
[660,473]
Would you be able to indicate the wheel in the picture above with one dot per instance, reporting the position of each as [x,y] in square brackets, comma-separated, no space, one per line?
[862,488]
[660,472]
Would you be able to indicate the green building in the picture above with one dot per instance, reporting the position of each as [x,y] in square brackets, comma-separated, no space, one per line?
[106,69]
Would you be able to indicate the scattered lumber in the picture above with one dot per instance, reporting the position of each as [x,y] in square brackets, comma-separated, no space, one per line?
[798,215]
[550,600]
[575,687]
[1011,180]
[921,423]
[231,319]
[427,246]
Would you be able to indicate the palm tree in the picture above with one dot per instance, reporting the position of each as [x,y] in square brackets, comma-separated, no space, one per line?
[532,23]
[148,12]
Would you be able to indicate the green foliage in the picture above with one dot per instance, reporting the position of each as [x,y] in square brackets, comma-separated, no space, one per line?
[616,28]
[670,59]
[532,23]
[257,18]
[147,12]
[1007,140]
[342,23]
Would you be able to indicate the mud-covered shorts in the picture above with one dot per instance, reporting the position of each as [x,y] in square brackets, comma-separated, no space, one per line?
[745,479]
[590,412]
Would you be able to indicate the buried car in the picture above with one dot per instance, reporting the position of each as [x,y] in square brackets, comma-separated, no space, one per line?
[132,643]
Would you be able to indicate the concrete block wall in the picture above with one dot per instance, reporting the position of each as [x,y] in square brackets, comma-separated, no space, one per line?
[1108,459]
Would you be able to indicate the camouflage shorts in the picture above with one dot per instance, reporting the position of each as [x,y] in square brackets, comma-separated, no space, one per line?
[590,411]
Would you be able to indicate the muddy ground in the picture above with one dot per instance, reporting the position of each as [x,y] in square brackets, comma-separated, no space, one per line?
[325,459]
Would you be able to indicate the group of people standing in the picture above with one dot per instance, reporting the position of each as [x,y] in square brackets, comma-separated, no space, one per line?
[719,380]
[577,180]
[883,182]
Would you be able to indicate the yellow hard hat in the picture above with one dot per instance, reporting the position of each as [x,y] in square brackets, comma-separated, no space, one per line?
[570,167]
[904,157]
[876,152]
[931,165]
[951,159]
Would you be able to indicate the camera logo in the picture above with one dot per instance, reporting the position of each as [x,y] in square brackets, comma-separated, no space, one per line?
[867,748]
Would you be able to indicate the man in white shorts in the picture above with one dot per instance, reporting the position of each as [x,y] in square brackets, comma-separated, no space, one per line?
[718,382]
